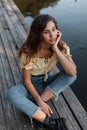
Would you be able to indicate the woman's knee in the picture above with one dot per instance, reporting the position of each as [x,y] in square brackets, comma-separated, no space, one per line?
[10,93]
[13,92]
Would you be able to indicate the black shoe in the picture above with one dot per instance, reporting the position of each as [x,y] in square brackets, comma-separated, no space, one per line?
[52,124]
[61,124]
[48,123]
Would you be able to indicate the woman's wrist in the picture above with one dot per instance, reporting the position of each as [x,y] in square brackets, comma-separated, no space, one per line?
[43,99]
[55,49]
[39,100]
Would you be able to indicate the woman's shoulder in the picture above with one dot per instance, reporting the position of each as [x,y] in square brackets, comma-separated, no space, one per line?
[24,60]
[24,56]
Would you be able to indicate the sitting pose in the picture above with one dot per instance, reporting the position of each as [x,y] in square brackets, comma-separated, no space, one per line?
[37,57]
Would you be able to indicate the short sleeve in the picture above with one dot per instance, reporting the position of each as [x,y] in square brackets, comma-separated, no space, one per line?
[24,62]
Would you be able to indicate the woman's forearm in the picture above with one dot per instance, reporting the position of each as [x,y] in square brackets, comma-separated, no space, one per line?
[33,91]
[66,62]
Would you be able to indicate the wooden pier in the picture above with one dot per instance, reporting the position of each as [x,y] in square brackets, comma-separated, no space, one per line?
[13,31]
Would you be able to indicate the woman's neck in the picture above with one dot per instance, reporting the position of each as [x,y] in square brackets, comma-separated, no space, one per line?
[45,47]
[44,51]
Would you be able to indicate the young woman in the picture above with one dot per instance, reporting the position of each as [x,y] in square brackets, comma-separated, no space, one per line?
[38,56]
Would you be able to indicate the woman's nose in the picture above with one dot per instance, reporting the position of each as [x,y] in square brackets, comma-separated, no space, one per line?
[51,34]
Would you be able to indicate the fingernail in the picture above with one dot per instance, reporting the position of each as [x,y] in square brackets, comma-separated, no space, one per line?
[51,112]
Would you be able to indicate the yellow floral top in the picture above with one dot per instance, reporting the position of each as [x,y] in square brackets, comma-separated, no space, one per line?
[40,65]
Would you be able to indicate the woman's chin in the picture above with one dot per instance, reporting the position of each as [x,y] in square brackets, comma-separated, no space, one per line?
[52,43]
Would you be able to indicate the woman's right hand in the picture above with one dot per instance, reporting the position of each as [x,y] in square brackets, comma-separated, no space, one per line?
[45,108]
[55,46]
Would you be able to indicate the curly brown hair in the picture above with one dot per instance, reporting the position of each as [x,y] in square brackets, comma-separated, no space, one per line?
[33,42]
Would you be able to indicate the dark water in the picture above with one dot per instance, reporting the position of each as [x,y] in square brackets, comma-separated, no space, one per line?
[72,20]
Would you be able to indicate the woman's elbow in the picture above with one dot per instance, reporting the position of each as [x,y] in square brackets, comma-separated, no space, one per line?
[73,72]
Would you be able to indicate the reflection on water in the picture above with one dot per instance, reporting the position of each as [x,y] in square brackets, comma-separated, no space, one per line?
[32,7]
[72,20]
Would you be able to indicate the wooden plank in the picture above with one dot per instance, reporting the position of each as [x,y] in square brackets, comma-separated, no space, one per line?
[19,15]
[2,119]
[7,109]
[21,121]
[10,56]
[9,77]
[15,21]
[9,35]
[3,22]
[11,26]
[64,111]
[76,107]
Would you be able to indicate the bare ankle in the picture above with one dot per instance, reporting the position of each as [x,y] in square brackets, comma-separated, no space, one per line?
[39,115]
[47,95]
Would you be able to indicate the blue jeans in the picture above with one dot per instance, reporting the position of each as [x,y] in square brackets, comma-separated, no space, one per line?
[20,97]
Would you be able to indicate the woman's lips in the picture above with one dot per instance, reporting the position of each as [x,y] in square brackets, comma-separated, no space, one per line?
[53,40]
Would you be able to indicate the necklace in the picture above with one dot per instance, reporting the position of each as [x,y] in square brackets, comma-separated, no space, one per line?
[46,60]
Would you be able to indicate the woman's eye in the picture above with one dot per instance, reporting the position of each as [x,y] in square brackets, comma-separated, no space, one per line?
[54,29]
[45,32]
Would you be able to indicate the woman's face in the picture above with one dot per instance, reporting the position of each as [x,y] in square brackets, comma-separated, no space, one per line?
[49,34]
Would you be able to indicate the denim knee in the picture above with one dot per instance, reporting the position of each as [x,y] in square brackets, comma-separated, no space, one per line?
[61,83]
[9,94]
[17,95]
